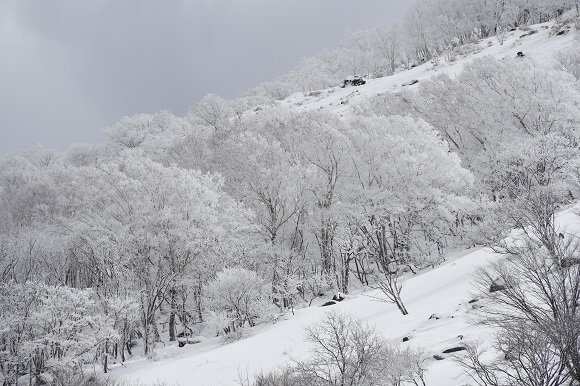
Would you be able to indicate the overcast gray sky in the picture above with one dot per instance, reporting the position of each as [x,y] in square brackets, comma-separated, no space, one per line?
[69,68]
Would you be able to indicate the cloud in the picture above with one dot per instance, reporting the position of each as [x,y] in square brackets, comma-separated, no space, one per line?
[71,68]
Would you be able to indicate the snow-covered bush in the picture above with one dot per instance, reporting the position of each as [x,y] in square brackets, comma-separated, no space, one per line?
[345,351]
[237,297]
[123,313]
[239,334]
[92,379]
[49,329]
[314,286]
[535,317]
[217,322]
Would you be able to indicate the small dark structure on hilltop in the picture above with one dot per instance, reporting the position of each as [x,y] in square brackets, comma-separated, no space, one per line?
[353,81]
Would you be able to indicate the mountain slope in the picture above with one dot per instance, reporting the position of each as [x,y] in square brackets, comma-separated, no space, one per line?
[444,291]
[438,301]
[538,46]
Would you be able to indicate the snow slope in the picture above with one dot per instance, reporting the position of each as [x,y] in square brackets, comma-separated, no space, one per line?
[444,291]
[539,46]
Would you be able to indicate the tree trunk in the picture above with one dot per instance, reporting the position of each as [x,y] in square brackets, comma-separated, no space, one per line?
[123,344]
[155,330]
[124,340]
[326,247]
[30,372]
[346,257]
[172,294]
[106,357]
[391,287]
[401,306]
[150,330]
[145,320]
[128,347]
[197,294]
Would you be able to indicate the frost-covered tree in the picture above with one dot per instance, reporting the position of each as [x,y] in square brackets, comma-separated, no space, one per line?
[416,30]
[534,179]
[311,74]
[241,295]
[492,103]
[259,172]
[318,143]
[28,192]
[48,328]
[534,315]
[405,181]
[387,45]
[154,134]
[569,60]
[128,226]
[80,154]
[212,111]
[357,50]
[404,170]
[161,220]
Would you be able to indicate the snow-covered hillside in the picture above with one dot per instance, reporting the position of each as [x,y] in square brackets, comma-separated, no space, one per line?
[439,306]
[539,46]
[438,299]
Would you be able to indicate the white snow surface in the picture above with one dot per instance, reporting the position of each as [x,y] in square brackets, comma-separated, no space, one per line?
[445,290]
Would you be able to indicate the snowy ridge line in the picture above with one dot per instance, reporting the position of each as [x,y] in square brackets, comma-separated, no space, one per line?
[539,46]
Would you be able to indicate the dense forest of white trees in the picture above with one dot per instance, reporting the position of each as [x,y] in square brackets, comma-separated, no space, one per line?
[224,218]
